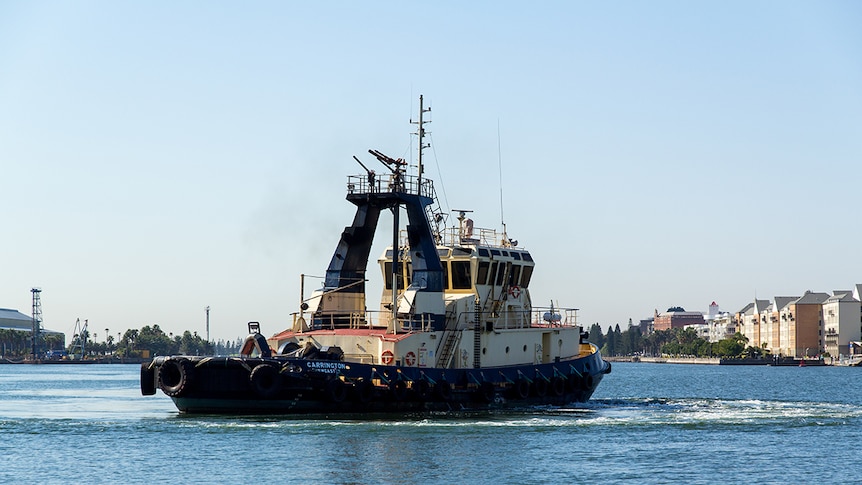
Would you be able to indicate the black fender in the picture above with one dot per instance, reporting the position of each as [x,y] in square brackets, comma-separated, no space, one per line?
[265,380]
[148,379]
[175,376]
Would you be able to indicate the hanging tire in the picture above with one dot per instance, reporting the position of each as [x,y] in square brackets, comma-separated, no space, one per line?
[486,392]
[148,379]
[588,382]
[422,389]
[336,390]
[363,391]
[443,390]
[175,376]
[558,386]
[398,389]
[573,382]
[265,380]
[521,388]
[540,387]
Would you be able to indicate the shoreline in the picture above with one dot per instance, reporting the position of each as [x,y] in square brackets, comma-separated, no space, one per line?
[108,360]
[785,362]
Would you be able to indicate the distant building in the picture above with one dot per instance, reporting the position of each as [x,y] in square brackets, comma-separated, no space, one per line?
[15,320]
[677,317]
[841,323]
[646,326]
[801,326]
[701,329]
[722,327]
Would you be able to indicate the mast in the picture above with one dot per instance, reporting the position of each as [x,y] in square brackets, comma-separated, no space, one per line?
[421,133]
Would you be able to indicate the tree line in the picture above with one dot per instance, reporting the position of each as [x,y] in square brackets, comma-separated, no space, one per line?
[148,340]
[672,342]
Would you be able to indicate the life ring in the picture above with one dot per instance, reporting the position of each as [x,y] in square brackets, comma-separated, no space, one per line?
[515,291]
[174,376]
[265,380]
[522,388]
[387,357]
[558,386]
[336,389]
[148,379]
[409,359]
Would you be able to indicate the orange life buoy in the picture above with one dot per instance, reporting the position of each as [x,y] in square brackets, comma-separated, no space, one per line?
[515,291]
[409,358]
[387,357]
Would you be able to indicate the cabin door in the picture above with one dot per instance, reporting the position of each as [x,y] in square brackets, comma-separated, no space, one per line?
[546,347]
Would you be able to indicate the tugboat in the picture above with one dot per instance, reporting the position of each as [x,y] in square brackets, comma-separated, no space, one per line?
[456,329]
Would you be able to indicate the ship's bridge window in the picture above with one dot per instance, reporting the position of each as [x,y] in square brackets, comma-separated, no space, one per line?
[483,252]
[461,275]
[525,276]
[501,272]
[516,255]
[482,273]
[462,252]
[387,276]
[515,277]
[443,253]
[495,252]
[528,257]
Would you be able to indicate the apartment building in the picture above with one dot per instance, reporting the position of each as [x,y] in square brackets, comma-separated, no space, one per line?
[842,322]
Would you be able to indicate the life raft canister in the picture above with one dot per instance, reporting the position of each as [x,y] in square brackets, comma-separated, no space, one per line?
[409,359]
[387,357]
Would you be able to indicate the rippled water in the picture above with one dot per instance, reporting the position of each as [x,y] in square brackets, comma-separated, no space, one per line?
[647,423]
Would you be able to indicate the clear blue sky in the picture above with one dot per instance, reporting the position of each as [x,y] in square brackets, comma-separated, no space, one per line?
[159,157]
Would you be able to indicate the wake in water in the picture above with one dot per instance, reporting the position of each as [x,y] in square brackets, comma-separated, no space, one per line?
[712,413]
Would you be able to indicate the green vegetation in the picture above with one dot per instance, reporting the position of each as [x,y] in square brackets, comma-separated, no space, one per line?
[149,340]
[673,342]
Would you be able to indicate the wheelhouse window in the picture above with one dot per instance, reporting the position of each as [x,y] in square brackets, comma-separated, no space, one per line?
[515,277]
[461,275]
[526,274]
[501,273]
[482,273]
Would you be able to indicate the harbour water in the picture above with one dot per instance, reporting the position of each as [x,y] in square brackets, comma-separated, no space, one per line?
[647,423]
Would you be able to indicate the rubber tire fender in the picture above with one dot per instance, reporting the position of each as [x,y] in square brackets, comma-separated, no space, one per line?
[558,386]
[540,387]
[522,388]
[175,376]
[443,390]
[422,388]
[148,379]
[336,389]
[265,380]
[398,389]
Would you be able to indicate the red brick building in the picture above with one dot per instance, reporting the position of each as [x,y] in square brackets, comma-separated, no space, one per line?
[677,317]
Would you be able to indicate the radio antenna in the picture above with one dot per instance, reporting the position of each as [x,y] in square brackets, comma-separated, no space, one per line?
[500,165]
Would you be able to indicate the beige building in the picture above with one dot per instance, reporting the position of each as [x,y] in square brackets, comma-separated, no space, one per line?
[801,326]
[842,314]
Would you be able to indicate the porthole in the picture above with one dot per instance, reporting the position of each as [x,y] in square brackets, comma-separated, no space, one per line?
[507,349]
[525,347]
[484,350]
